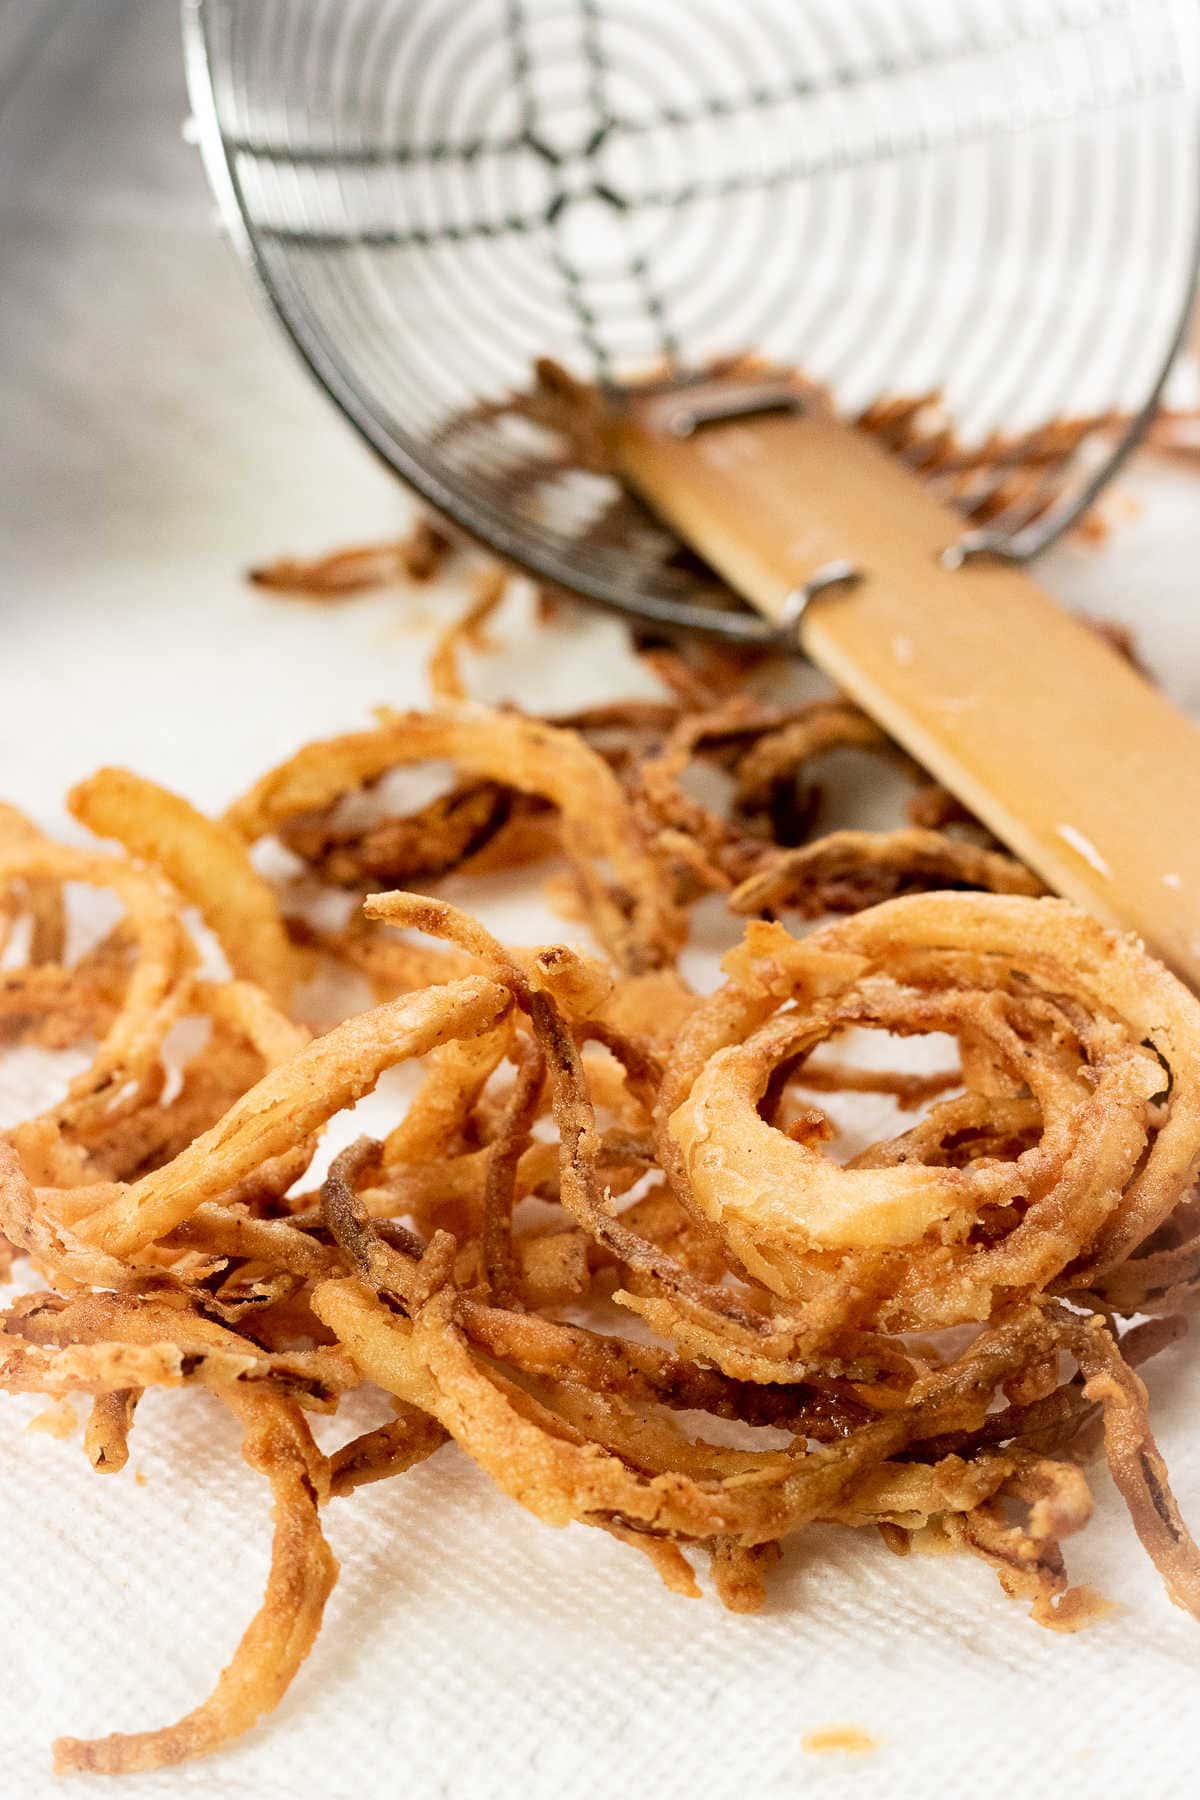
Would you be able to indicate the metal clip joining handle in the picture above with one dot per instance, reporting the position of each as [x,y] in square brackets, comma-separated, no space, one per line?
[681,411]
[976,544]
[795,605]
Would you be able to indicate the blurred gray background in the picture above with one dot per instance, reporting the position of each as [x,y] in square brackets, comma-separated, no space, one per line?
[133,358]
[156,437]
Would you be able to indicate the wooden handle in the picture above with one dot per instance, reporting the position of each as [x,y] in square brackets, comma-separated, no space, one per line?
[1044,731]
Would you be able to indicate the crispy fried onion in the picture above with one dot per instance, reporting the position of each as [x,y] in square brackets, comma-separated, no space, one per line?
[279,1445]
[624,891]
[582,1136]
[706,1316]
[574,1426]
[845,871]
[1046,1005]
[288,1104]
[75,1150]
[780,758]
[44,1339]
[418,556]
[137,1004]
[206,861]
[568,1440]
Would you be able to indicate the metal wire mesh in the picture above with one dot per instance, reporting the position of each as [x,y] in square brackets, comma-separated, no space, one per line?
[994,199]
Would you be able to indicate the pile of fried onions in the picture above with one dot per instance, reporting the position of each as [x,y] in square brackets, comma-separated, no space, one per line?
[928,1338]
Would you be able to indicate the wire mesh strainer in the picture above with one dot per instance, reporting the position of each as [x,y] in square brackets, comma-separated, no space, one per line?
[994,199]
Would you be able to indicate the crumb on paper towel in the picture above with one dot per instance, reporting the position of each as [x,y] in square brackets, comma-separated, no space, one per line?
[139,1478]
[57,1421]
[1085,848]
[844,1740]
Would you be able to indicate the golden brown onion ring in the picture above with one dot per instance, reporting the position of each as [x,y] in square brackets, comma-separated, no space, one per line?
[637,921]
[204,860]
[845,871]
[1032,987]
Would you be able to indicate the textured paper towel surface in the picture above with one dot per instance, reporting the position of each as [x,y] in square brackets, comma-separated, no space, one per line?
[158,440]
[469,1650]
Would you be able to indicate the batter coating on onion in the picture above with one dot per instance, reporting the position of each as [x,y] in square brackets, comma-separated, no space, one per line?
[1047,1006]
